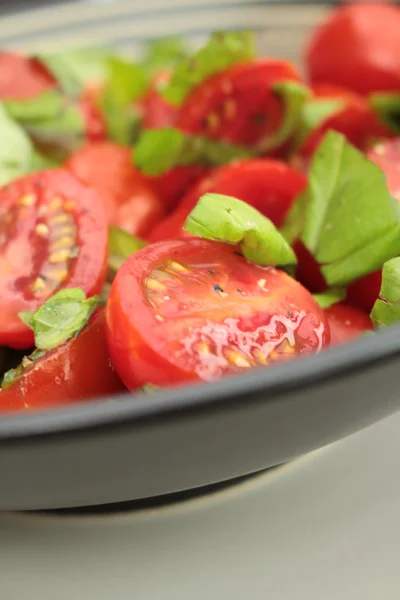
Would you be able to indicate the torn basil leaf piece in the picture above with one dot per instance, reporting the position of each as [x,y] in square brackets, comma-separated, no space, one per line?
[347,218]
[14,375]
[386,310]
[314,113]
[227,219]
[76,70]
[164,53]
[159,150]
[293,96]
[222,50]
[121,245]
[16,149]
[387,108]
[330,297]
[61,317]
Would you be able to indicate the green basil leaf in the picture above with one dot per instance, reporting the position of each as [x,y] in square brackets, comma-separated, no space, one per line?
[14,375]
[16,149]
[293,96]
[127,82]
[227,219]
[350,222]
[386,310]
[121,246]
[314,113]
[53,122]
[61,317]
[75,70]
[164,53]
[159,150]
[387,109]
[330,297]
[222,50]
[39,162]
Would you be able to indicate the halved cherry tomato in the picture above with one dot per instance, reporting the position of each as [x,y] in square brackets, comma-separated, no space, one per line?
[357,47]
[191,310]
[129,200]
[22,78]
[355,120]
[346,323]
[174,184]
[78,369]
[157,112]
[364,292]
[239,104]
[268,185]
[53,234]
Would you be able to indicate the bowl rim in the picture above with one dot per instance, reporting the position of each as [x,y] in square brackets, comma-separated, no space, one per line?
[238,391]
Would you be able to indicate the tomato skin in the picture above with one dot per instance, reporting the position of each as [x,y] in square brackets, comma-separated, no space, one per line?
[22,78]
[268,185]
[77,370]
[237,105]
[128,199]
[152,338]
[96,129]
[346,323]
[156,111]
[357,47]
[356,121]
[30,256]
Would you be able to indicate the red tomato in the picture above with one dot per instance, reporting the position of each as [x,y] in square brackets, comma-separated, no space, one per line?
[129,200]
[363,292]
[78,369]
[239,104]
[357,47]
[22,78]
[268,185]
[172,186]
[53,234]
[96,129]
[355,120]
[346,323]
[191,310]
[157,112]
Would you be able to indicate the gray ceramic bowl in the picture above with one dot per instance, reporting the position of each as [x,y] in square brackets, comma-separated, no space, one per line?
[135,446]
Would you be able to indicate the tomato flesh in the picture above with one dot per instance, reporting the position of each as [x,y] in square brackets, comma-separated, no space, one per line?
[22,78]
[129,200]
[239,104]
[194,310]
[346,323]
[268,185]
[53,234]
[69,373]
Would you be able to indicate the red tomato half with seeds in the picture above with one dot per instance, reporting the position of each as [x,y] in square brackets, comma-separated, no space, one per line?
[129,200]
[268,185]
[191,310]
[53,234]
[355,119]
[346,323]
[239,104]
[22,78]
[364,292]
[69,373]
[358,48]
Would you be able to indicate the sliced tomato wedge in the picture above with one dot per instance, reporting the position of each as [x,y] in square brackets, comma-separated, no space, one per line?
[239,104]
[53,234]
[77,370]
[157,112]
[190,310]
[357,47]
[22,78]
[346,323]
[268,185]
[129,200]
[355,120]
